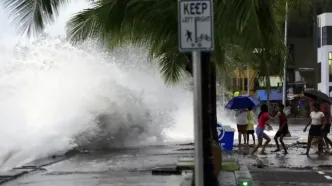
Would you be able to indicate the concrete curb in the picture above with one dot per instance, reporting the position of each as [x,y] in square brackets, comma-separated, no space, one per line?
[227,178]
[243,175]
[35,165]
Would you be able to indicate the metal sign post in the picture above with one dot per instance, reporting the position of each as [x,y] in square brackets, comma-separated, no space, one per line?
[196,35]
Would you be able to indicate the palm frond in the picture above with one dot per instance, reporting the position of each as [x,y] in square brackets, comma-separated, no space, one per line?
[172,65]
[242,25]
[119,22]
[33,15]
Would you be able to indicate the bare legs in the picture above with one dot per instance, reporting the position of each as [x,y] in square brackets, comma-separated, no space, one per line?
[320,144]
[281,139]
[267,141]
[253,138]
[260,142]
[242,132]
[327,140]
[245,138]
[244,135]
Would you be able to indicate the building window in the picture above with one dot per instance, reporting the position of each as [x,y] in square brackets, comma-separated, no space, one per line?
[240,84]
[291,57]
[290,76]
[319,39]
[256,84]
[327,35]
[234,85]
[246,83]
[330,66]
[319,34]
[319,68]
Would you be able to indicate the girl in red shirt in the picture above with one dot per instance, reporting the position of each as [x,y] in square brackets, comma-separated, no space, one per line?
[263,118]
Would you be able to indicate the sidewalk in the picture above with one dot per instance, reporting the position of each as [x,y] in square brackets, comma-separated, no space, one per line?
[292,169]
[131,167]
[34,166]
[234,171]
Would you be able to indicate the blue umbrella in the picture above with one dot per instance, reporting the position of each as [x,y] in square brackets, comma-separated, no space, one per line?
[242,102]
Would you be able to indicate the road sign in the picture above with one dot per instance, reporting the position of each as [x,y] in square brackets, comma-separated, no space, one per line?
[195,25]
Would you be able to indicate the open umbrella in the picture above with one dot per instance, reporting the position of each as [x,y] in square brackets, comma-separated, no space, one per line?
[242,102]
[317,95]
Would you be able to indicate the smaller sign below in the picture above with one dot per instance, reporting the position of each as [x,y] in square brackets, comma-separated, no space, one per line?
[195,25]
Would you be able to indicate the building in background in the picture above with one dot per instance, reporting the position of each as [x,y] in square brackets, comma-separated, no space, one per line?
[324,61]
[240,81]
[257,86]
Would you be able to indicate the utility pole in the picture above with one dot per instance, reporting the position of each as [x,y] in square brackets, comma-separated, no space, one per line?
[315,42]
[284,92]
[248,79]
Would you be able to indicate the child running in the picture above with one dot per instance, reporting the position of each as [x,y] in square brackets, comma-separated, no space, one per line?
[250,128]
[283,128]
[263,118]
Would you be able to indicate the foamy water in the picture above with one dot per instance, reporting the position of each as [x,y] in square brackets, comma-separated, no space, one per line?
[55,96]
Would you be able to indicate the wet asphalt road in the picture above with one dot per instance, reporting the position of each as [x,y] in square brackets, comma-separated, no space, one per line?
[118,168]
[133,167]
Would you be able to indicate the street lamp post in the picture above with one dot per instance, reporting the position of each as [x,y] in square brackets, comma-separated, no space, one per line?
[315,42]
[285,58]
[248,79]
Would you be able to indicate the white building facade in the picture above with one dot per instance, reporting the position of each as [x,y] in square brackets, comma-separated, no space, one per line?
[324,54]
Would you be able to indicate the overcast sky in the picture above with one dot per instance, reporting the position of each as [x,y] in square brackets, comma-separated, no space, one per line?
[7,29]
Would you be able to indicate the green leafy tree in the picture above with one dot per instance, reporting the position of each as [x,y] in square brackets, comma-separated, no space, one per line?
[240,27]
[247,24]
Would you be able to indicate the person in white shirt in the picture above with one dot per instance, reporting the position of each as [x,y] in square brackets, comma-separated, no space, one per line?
[242,124]
[317,125]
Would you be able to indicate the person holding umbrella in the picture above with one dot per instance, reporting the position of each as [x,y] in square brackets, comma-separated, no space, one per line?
[323,104]
[242,124]
[241,104]
[325,108]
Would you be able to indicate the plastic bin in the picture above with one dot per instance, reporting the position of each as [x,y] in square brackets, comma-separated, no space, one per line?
[225,136]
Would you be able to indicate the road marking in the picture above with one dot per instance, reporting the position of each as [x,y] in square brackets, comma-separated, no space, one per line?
[320,172]
[328,177]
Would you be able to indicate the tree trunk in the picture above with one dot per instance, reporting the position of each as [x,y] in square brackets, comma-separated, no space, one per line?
[213,103]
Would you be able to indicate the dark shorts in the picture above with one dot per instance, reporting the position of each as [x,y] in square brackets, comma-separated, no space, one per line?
[282,133]
[315,130]
[250,132]
[327,128]
[242,128]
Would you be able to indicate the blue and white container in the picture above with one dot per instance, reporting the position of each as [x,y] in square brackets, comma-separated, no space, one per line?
[225,136]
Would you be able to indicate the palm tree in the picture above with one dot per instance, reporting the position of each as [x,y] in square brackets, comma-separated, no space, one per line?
[154,24]
[241,24]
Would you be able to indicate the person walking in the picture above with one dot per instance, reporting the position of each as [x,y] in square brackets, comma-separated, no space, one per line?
[316,126]
[283,128]
[263,119]
[250,128]
[325,108]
